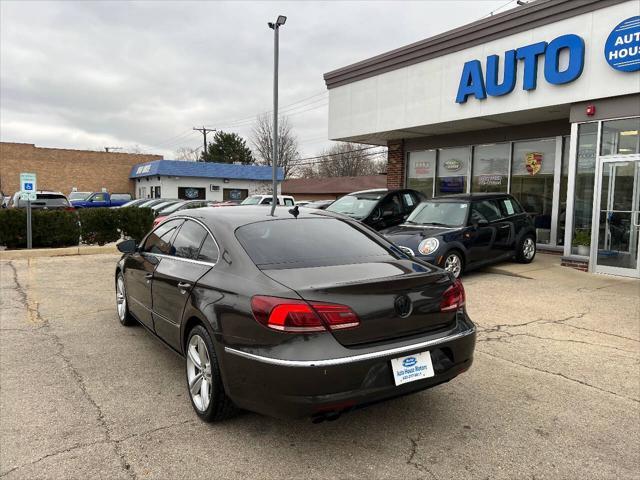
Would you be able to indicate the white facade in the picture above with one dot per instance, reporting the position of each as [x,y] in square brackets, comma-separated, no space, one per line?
[422,97]
[169,185]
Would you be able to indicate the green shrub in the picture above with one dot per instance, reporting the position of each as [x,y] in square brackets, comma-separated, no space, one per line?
[99,225]
[135,222]
[50,228]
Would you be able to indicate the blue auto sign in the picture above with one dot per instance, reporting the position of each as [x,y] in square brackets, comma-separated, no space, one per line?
[622,49]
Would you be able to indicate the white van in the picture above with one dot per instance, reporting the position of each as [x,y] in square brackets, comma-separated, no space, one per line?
[286,200]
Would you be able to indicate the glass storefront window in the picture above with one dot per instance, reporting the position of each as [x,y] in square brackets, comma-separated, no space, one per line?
[621,137]
[422,167]
[532,181]
[564,181]
[490,168]
[585,177]
[453,170]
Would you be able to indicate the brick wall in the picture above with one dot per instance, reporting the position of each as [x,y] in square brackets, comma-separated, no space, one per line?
[61,169]
[395,165]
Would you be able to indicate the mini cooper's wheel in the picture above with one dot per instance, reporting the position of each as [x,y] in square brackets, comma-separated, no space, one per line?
[453,263]
[526,249]
[121,302]
[204,382]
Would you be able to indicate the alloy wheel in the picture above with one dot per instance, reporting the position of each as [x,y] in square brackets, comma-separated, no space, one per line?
[121,298]
[528,248]
[453,264]
[199,372]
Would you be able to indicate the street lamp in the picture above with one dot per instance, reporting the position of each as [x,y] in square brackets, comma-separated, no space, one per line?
[274,156]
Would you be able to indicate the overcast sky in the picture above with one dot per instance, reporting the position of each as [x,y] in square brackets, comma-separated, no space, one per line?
[140,75]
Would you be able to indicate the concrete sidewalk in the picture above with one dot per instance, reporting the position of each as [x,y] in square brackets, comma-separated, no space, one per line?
[57,252]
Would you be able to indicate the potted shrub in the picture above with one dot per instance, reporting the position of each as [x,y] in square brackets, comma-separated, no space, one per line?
[582,240]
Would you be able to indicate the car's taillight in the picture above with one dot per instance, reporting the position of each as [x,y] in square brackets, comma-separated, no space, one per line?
[453,297]
[298,316]
[70,209]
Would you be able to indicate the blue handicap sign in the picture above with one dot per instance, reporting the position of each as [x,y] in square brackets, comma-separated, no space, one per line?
[28,186]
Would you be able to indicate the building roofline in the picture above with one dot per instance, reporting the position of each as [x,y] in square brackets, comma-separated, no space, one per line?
[516,20]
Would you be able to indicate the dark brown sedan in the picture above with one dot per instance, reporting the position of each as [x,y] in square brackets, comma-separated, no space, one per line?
[302,314]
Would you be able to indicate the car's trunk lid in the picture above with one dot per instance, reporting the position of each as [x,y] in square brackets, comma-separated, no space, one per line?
[372,291]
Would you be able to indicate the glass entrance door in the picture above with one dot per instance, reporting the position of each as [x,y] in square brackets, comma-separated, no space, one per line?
[617,220]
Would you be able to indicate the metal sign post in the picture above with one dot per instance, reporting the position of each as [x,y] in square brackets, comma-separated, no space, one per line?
[28,190]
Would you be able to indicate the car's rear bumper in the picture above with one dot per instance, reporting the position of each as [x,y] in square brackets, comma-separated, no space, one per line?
[285,387]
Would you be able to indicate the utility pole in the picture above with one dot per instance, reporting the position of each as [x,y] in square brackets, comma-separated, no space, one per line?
[274,158]
[204,131]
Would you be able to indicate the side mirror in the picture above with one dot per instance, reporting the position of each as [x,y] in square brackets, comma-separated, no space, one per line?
[127,246]
[479,223]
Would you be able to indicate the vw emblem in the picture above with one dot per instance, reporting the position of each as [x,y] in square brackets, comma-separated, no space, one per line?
[403,306]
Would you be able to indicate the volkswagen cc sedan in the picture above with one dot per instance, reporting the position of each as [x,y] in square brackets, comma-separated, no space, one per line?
[462,232]
[304,314]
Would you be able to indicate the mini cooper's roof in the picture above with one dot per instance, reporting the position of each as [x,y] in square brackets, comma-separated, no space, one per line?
[234,217]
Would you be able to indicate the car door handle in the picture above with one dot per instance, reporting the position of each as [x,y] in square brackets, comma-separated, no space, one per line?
[184,286]
[148,277]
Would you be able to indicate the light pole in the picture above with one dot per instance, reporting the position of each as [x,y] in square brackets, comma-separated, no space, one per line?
[274,156]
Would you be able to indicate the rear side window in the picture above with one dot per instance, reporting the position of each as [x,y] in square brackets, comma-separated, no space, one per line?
[159,241]
[509,207]
[188,241]
[209,251]
[485,210]
[307,242]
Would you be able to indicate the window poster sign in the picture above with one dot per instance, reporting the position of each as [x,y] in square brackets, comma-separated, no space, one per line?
[490,180]
[422,164]
[533,162]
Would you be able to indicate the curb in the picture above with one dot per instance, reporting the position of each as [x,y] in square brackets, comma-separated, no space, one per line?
[56,252]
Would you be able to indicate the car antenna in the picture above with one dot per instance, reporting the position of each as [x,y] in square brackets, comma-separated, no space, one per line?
[294,211]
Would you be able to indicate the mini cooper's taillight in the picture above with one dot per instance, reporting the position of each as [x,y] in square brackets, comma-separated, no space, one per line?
[453,297]
[297,316]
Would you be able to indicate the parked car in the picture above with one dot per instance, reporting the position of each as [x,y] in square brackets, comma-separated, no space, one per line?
[462,232]
[135,203]
[150,202]
[266,200]
[45,200]
[162,205]
[319,204]
[78,195]
[102,199]
[378,208]
[184,205]
[305,314]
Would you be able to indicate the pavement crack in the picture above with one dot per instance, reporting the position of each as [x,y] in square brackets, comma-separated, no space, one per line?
[49,455]
[558,374]
[47,330]
[411,459]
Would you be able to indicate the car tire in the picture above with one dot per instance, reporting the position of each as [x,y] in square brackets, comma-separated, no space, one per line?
[453,263]
[206,391]
[526,249]
[122,303]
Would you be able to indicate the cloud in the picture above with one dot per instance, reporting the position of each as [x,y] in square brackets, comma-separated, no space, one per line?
[90,74]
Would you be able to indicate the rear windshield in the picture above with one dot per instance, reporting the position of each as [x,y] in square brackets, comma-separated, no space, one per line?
[119,197]
[308,242]
[46,200]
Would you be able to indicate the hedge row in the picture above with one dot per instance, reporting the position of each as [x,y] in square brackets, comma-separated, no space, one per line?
[62,228]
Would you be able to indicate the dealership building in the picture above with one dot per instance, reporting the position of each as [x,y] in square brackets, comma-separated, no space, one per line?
[201,180]
[541,101]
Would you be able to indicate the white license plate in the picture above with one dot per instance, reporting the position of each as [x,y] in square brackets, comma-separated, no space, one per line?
[412,367]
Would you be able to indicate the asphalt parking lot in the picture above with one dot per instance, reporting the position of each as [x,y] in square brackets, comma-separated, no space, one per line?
[554,391]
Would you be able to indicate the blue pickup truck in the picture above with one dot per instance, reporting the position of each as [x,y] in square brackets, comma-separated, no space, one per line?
[101,199]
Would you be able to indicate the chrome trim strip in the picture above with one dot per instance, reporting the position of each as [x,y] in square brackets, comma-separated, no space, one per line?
[352,359]
[198,262]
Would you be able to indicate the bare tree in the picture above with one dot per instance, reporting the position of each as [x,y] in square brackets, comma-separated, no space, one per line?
[345,160]
[262,140]
[187,154]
